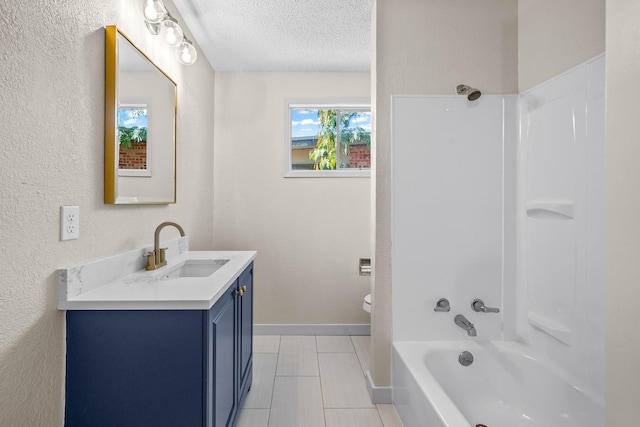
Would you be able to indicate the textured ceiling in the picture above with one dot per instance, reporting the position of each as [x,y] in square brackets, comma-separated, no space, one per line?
[281,35]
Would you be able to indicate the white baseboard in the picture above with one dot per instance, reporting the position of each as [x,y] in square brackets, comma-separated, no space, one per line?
[338,329]
[379,394]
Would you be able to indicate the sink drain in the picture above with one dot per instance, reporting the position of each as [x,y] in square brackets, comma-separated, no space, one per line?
[481,425]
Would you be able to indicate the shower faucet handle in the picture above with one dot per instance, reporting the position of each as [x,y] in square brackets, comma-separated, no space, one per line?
[442,305]
[478,305]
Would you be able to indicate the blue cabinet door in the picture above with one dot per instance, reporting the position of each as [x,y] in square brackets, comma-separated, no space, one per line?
[222,355]
[135,368]
[245,282]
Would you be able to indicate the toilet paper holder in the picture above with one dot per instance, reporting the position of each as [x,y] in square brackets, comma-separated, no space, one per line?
[364,267]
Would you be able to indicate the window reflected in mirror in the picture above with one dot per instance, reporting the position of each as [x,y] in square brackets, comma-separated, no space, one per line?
[133,150]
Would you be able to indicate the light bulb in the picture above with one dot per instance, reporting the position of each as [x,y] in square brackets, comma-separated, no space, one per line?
[171,31]
[185,55]
[150,12]
[170,36]
[154,11]
[186,52]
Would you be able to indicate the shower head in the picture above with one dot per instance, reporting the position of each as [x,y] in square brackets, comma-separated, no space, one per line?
[471,93]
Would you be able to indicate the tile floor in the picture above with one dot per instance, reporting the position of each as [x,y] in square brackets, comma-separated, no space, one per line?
[307,381]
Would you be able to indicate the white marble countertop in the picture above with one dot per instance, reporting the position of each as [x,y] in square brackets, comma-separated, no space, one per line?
[144,290]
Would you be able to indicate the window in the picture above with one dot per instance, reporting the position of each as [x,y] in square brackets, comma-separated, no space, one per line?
[328,139]
[133,149]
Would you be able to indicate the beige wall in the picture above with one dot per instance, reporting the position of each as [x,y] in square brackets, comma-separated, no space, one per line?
[52,108]
[428,47]
[622,210]
[309,232]
[554,36]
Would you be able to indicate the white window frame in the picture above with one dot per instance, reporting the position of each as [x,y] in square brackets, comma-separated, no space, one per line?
[324,104]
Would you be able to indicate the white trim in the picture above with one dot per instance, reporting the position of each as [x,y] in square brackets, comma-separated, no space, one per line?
[343,173]
[378,394]
[335,103]
[305,329]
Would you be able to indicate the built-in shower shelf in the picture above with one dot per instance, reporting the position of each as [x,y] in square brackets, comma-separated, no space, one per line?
[544,324]
[558,209]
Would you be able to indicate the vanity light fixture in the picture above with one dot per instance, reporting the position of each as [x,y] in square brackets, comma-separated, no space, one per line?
[159,21]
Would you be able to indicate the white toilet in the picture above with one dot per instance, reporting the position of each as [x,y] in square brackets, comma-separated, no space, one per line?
[366,305]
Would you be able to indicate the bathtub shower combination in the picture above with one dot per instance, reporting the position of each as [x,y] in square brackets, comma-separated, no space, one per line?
[502,387]
[497,259]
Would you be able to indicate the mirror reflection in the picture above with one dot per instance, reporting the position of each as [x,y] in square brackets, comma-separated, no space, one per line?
[133,155]
[139,126]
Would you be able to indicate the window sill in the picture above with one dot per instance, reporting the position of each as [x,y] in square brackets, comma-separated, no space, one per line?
[356,173]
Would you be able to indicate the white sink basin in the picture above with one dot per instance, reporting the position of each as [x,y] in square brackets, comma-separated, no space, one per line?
[193,268]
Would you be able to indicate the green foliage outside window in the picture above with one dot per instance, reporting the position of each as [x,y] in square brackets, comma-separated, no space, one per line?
[133,134]
[127,135]
[326,155]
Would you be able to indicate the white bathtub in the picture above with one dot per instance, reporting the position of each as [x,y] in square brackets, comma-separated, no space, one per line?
[503,387]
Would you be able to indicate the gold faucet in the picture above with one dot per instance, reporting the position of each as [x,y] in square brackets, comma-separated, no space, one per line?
[156,258]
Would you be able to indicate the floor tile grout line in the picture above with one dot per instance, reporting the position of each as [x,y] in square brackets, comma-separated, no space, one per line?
[380,416]
[297,376]
[324,414]
[364,379]
[273,385]
[364,372]
[353,407]
[357,355]
[353,346]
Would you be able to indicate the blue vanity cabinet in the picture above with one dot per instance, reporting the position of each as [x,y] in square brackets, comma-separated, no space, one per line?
[161,368]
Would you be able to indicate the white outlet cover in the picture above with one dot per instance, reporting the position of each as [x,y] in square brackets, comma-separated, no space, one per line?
[69,222]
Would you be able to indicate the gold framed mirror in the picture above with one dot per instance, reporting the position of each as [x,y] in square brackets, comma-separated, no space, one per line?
[140,126]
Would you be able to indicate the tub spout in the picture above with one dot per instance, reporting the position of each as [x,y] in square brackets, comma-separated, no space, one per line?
[465,324]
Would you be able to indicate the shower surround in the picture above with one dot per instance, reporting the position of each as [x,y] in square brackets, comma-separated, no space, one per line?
[501,199]
[453,191]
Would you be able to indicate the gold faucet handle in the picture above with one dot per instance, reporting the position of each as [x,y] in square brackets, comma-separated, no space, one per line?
[151,260]
[162,257]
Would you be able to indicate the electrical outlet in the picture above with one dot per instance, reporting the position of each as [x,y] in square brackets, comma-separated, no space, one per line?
[69,222]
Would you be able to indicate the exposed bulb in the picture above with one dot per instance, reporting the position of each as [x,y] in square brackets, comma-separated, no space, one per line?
[170,36]
[186,52]
[150,13]
[171,31]
[154,11]
[185,55]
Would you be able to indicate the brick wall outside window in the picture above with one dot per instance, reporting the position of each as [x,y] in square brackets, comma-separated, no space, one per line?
[359,156]
[134,157]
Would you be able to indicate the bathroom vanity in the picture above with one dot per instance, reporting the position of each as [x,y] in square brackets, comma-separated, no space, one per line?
[165,348]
